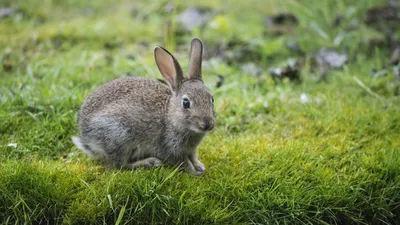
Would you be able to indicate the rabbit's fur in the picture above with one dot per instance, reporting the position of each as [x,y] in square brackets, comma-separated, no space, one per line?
[136,122]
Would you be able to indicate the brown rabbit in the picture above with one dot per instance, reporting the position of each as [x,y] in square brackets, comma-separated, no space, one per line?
[136,122]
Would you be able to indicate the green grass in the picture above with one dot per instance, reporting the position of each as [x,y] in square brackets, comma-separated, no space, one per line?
[271,159]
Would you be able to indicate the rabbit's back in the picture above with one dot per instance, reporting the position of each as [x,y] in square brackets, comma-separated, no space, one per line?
[125,94]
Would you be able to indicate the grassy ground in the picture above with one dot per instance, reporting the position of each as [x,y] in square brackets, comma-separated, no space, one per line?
[272,159]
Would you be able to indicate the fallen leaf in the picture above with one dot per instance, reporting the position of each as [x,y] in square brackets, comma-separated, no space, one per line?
[304,98]
[290,71]
[384,19]
[191,18]
[280,24]
[169,7]
[378,14]
[281,19]
[14,145]
[251,69]
[6,12]
[330,58]
[234,51]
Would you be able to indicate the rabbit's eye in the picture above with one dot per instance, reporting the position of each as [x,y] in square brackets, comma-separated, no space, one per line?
[186,103]
[212,99]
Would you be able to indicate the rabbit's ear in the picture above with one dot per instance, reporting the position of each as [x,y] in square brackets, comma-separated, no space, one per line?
[196,53]
[169,67]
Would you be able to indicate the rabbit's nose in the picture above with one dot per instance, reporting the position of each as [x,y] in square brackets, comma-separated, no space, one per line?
[208,125]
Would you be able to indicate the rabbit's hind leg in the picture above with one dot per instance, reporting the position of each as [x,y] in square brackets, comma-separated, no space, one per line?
[144,163]
[105,137]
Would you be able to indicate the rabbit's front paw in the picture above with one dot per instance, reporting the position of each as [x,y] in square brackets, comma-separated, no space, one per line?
[195,168]
[199,166]
[193,171]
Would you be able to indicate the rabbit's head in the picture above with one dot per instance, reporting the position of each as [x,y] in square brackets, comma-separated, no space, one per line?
[192,104]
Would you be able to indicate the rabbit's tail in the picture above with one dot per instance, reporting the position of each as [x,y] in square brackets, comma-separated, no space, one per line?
[78,143]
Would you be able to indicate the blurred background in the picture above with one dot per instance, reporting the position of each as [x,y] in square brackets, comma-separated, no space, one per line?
[251,36]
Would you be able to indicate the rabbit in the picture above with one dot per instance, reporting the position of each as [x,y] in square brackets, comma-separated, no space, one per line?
[134,122]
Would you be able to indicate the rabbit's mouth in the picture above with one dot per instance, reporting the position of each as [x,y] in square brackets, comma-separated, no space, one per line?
[207,125]
[204,126]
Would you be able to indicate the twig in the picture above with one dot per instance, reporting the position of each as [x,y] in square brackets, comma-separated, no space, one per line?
[359,82]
